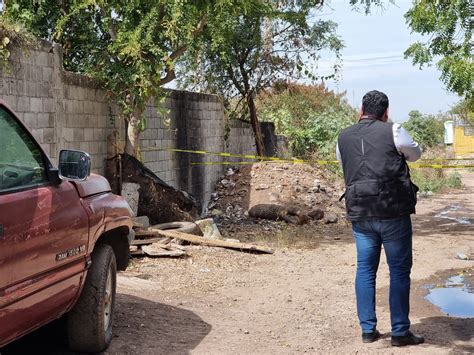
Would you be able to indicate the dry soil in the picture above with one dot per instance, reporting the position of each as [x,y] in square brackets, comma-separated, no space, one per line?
[297,300]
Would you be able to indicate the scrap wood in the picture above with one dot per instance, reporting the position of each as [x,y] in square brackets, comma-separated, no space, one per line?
[146,232]
[138,225]
[210,242]
[158,250]
[148,241]
[162,252]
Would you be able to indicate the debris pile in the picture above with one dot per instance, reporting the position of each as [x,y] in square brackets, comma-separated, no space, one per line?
[162,240]
[294,193]
[156,199]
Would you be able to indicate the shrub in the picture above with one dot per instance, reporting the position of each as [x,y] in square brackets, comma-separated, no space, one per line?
[427,130]
[311,117]
[434,180]
[454,180]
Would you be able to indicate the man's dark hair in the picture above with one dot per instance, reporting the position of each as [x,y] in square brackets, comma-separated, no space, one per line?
[374,103]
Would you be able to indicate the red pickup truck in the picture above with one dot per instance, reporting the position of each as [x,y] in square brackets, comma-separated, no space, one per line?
[63,235]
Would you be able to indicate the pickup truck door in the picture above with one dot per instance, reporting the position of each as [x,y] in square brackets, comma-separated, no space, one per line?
[44,239]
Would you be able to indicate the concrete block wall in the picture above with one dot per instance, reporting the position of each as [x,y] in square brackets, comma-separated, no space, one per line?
[28,87]
[87,119]
[65,110]
[240,139]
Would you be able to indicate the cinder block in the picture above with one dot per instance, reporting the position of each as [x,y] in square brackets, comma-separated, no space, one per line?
[48,135]
[68,134]
[81,94]
[94,147]
[101,120]
[84,146]
[44,90]
[17,87]
[11,101]
[84,120]
[78,106]
[89,107]
[48,104]
[99,134]
[203,105]
[47,74]
[30,120]
[43,59]
[43,120]
[68,106]
[78,134]
[88,134]
[31,89]
[100,108]
[53,152]
[36,104]
[23,104]
[93,121]
[66,92]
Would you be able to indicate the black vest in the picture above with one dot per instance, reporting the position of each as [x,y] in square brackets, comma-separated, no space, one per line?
[377,176]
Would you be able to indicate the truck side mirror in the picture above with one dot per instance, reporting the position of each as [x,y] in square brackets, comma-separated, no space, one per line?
[74,165]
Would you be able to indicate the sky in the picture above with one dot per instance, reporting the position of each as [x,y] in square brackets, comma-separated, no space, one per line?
[373,59]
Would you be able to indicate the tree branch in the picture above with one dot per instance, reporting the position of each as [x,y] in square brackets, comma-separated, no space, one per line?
[170,73]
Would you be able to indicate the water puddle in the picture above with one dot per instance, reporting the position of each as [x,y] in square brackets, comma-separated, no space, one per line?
[455,297]
[450,213]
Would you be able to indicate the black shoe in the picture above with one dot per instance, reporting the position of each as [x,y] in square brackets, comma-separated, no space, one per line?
[408,339]
[371,337]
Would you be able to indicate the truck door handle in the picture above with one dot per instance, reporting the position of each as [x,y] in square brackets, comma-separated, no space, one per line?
[1,230]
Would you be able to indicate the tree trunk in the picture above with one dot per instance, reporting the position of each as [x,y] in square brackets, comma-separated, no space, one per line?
[133,133]
[255,125]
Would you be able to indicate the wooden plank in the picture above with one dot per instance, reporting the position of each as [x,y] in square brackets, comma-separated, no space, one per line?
[148,241]
[142,232]
[159,252]
[210,242]
[138,225]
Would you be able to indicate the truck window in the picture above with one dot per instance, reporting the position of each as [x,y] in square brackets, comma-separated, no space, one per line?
[21,160]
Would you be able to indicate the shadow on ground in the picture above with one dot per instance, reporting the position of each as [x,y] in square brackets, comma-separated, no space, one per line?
[141,327]
[447,332]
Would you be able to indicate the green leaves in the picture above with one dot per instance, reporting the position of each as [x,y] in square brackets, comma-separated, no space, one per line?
[311,117]
[12,34]
[448,27]
[427,130]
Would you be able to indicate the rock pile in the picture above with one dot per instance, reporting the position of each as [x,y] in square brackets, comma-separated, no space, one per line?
[300,187]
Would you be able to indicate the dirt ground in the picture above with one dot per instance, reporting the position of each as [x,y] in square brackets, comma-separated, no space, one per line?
[298,300]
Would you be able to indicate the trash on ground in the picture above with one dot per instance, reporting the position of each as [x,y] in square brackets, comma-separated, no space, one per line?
[209,228]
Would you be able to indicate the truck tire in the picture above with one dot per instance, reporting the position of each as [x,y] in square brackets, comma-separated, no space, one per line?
[89,323]
[185,227]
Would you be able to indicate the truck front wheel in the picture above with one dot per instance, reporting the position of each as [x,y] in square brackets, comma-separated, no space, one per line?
[90,321]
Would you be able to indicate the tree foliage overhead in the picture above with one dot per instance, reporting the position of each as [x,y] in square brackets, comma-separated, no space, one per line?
[275,40]
[448,25]
[237,47]
[12,35]
[130,47]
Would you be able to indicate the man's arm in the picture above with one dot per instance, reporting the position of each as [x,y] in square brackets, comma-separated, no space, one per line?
[405,143]
[338,154]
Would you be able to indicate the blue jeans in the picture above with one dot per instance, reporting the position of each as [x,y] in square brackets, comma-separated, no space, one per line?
[396,237]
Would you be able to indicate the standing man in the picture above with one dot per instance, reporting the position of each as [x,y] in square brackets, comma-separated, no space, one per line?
[379,200]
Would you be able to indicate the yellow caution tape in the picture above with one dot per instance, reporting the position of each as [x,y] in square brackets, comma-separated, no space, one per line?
[440,166]
[242,156]
[297,161]
[432,166]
